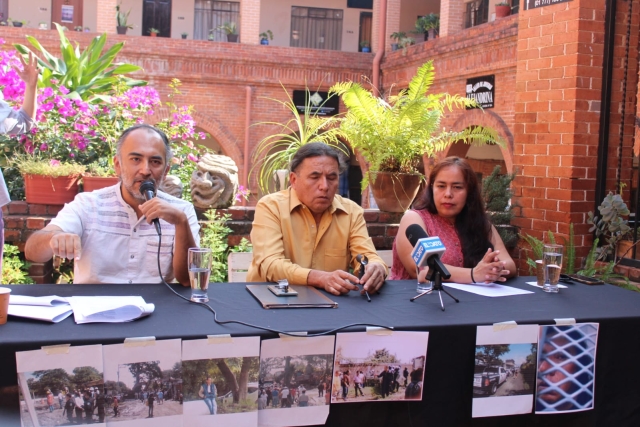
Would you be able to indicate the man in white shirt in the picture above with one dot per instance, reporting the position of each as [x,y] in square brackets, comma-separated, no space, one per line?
[109,232]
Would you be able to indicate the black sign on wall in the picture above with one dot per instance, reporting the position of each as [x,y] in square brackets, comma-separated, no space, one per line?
[482,89]
[320,103]
[534,4]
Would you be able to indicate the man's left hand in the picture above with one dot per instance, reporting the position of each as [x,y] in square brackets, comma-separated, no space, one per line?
[158,208]
[374,275]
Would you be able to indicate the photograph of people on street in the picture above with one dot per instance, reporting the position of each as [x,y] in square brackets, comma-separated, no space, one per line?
[144,382]
[371,367]
[62,388]
[295,374]
[566,368]
[504,372]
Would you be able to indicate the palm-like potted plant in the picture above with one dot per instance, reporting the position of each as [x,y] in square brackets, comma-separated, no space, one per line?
[366,46]
[428,25]
[397,36]
[274,152]
[230,29]
[121,20]
[265,37]
[393,134]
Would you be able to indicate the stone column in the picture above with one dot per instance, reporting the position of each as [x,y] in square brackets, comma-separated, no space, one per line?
[250,21]
[106,16]
[451,17]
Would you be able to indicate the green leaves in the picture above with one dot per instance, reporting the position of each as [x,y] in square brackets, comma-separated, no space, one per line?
[85,74]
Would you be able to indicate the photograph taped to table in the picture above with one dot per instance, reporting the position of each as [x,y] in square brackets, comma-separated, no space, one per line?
[566,368]
[220,378]
[504,371]
[379,367]
[146,378]
[61,386]
[293,368]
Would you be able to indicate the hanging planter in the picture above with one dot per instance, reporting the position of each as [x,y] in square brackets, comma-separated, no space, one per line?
[47,190]
[394,192]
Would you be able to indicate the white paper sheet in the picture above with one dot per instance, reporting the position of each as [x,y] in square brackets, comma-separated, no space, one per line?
[109,309]
[488,290]
[48,301]
[48,314]
[540,287]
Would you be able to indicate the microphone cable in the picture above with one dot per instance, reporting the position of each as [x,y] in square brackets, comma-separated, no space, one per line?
[262,328]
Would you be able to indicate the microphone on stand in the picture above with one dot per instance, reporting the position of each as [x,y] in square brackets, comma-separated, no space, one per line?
[426,250]
[148,190]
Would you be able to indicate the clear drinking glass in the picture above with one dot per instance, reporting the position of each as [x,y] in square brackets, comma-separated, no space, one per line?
[199,260]
[552,259]
[427,285]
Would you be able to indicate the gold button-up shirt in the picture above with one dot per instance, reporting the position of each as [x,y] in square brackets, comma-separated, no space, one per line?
[287,244]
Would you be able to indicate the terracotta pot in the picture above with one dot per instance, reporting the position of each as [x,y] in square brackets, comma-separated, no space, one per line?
[394,192]
[153,34]
[45,190]
[91,183]
[502,11]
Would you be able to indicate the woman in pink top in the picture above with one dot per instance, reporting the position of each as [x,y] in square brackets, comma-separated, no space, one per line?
[451,208]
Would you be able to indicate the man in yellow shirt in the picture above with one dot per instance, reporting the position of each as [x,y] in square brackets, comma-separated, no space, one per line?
[309,235]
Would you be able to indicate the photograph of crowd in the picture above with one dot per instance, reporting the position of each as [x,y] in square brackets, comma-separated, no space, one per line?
[566,368]
[144,382]
[62,398]
[378,367]
[504,370]
[220,386]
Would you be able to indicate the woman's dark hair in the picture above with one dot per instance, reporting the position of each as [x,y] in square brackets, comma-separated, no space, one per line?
[472,225]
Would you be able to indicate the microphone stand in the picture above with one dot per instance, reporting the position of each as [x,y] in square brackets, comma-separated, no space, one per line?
[437,271]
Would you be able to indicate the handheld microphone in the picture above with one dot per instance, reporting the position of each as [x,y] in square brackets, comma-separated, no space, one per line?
[148,190]
[426,250]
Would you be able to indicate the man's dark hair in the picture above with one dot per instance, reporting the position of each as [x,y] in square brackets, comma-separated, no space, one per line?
[317,149]
[149,128]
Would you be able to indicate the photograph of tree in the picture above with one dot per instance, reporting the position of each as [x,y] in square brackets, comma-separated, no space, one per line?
[144,382]
[62,389]
[294,375]
[504,372]
[378,367]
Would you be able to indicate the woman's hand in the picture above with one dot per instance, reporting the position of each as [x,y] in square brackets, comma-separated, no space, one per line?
[490,269]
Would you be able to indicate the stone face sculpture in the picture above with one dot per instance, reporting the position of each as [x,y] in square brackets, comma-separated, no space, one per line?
[172,185]
[215,183]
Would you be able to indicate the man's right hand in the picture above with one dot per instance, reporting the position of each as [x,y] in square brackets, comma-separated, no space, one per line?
[336,282]
[66,245]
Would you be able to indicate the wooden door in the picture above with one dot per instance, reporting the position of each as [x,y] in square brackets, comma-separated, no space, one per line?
[156,14]
[67,13]
[366,19]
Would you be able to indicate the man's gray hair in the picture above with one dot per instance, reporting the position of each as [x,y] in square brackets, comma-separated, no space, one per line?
[149,128]
[318,149]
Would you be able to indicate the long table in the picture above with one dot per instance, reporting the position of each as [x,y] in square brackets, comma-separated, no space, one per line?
[447,391]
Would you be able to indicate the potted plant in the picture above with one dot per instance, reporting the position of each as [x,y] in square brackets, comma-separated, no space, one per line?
[78,28]
[153,32]
[121,20]
[265,37]
[48,181]
[230,29]
[17,23]
[496,193]
[503,9]
[611,226]
[395,133]
[366,46]
[274,152]
[397,36]
[42,25]
[428,25]
[405,42]
[184,35]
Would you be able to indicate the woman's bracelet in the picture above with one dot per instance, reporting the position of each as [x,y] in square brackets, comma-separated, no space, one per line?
[472,279]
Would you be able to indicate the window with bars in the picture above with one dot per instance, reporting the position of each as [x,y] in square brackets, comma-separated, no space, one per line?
[316,28]
[476,13]
[208,15]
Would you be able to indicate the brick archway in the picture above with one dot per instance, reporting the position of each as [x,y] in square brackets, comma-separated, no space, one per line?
[488,119]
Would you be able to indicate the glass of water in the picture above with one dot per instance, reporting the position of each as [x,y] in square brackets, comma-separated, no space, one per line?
[199,260]
[552,259]
[427,285]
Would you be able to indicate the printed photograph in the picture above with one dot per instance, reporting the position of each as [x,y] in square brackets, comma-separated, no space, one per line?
[504,370]
[295,375]
[144,382]
[379,368]
[221,386]
[566,368]
[62,388]
[504,374]
[291,381]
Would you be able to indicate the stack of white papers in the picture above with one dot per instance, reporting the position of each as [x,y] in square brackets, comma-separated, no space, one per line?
[85,309]
[488,290]
[109,309]
[49,308]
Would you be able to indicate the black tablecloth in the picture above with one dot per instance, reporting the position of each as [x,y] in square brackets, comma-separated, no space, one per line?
[450,358]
